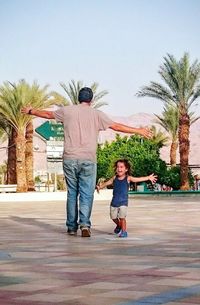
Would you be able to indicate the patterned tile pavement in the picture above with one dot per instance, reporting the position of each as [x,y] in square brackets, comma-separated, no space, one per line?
[159,262]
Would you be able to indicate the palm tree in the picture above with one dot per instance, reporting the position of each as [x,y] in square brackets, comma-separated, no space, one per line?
[11,168]
[12,98]
[29,157]
[41,99]
[9,133]
[11,101]
[158,138]
[181,88]
[169,121]
[72,91]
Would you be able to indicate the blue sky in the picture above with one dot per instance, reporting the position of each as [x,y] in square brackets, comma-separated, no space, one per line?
[119,44]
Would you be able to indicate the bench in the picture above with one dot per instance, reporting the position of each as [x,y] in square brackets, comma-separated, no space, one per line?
[8,188]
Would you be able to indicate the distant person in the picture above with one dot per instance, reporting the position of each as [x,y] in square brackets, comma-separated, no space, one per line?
[82,124]
[119,202]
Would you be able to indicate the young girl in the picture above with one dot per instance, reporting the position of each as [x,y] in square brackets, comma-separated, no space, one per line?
[119,203]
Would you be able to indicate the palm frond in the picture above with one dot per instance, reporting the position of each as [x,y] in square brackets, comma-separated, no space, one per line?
[14,96]
[181,80]
[72,90]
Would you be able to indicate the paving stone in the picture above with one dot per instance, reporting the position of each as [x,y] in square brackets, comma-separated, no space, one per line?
[157,264]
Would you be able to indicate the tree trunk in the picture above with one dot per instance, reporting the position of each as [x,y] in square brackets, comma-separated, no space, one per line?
[20,162]
[184,146]
[173,150]
[29,157]
[11,169]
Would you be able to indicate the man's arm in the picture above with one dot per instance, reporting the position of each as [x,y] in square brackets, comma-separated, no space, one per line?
[39,113]
[145,132]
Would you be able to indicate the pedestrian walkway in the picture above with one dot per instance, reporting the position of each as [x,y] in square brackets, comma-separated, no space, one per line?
[159,262]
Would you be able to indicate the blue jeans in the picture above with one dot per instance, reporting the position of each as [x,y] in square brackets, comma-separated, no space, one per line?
[80,176]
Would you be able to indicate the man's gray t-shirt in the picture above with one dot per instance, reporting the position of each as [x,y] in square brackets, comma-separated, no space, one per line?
[82,124]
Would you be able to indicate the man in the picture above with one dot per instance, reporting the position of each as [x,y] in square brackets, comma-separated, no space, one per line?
[82,124]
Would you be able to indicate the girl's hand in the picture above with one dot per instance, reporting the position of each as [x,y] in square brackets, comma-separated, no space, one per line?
[153,178]
[98,188]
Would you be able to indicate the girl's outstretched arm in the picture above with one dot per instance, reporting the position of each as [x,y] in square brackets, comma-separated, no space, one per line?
[104,184]
[152,178]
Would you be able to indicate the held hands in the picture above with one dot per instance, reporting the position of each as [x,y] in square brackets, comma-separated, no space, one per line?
[152,178]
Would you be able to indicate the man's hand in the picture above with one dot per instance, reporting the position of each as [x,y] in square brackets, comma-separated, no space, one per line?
[38,113]
[145,132]
[26,109]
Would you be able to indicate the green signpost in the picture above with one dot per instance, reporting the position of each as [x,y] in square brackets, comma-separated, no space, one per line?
[51,131]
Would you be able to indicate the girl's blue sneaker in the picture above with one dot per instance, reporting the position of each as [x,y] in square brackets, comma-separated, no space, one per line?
[117,230]
[123,234]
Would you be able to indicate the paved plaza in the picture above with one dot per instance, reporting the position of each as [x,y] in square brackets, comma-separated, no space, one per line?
[159,262]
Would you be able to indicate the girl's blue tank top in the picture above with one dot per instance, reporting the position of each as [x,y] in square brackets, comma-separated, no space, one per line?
[120,192]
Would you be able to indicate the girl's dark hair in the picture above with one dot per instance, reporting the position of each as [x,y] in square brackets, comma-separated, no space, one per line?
[126,164]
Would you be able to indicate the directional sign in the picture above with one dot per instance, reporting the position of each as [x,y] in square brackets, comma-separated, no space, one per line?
[51,131]
[54,166]
[54,157]
[54,150]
